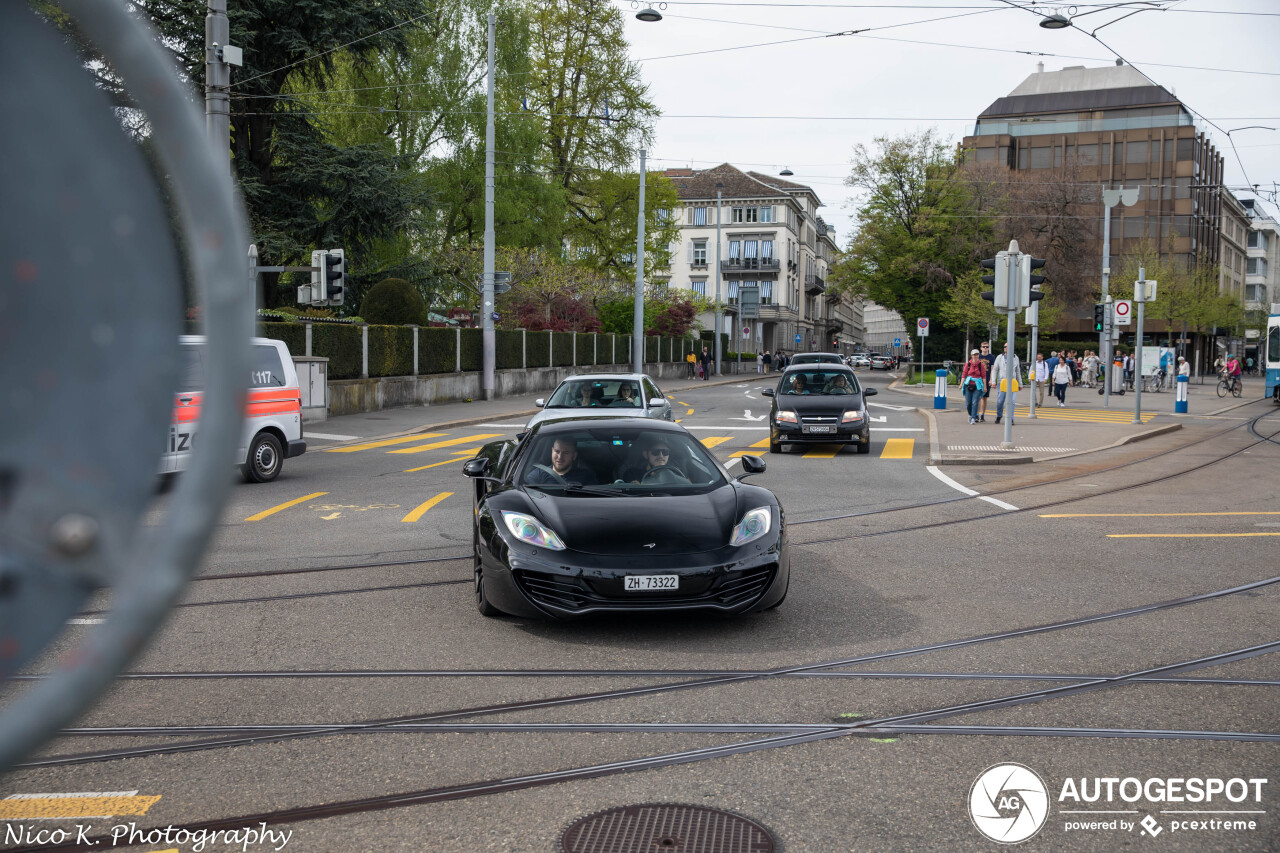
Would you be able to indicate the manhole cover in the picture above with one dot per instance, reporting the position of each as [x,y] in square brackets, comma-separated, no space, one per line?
[663,827]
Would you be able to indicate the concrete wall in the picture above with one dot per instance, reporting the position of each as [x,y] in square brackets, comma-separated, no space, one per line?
[353,396]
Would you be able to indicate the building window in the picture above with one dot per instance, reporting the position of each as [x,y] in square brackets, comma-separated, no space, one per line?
[986,155]
[735,215]
[733,293]
[698,257]
[750,248]
[699,215]
[1186,149]
[699,287]
[1168,150]
[1257,240]
[1134,226]
[1041,158]
[766,293]
[1023,157]
[1088,155]
[1136,152]
[766,213]
[662,216]
[1255,266]
[735,251]
[1105,153]
[766,250]
[753,214]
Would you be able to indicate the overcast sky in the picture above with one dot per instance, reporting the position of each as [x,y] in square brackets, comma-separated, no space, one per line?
[804,105]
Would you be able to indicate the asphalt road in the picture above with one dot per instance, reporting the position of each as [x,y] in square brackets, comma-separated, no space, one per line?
[851,718]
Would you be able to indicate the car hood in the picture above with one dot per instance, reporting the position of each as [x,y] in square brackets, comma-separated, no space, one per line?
[819,404]
[637,526]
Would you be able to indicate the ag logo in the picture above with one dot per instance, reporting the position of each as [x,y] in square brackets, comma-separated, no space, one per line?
[1008,803]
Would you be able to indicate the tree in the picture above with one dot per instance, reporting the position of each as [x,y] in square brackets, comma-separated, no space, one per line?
[1187,296]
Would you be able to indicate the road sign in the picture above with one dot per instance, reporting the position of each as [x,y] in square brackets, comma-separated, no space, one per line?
[797,338]
[1149,295]
[897,342]
[922,327]
[1123,309]
[748,302]
[746,331]
[495,316]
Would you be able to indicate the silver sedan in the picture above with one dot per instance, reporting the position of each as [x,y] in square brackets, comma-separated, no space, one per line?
[605,395]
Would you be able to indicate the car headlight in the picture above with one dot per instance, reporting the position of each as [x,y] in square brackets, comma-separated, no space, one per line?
[754,524]
[851,416]
[784,417]
[526,528]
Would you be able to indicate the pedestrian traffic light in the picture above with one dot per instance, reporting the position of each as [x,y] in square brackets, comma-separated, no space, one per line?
[1099,316]
[334,276]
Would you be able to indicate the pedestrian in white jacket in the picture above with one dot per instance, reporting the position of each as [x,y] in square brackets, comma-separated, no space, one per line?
[1005,367]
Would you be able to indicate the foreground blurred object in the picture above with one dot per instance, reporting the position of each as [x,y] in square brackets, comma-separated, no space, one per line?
[90,314]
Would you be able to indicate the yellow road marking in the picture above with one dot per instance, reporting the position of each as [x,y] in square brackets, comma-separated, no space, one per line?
[285,505]
[761,443]
[681,402]
[423,507]
[51,806]
[1148,514]
[1182,535]
[369,445]
[898,448]
[825,451]
[453,442]
[471,451]
[714,440]
[690,412]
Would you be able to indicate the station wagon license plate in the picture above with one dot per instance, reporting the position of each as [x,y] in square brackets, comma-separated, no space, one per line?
[646,583]
[819,429]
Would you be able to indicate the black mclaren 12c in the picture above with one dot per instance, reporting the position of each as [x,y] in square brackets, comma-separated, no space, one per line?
[597,515]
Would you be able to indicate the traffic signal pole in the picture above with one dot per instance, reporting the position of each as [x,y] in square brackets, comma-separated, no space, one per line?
[486,293]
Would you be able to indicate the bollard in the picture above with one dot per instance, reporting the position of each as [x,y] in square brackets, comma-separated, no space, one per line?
[1180,395]
[940,389]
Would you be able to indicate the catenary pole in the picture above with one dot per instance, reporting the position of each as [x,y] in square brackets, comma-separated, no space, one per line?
[637,330]
[486,293]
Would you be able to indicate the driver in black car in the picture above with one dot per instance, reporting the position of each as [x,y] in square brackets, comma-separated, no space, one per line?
[564,467]
[656,454]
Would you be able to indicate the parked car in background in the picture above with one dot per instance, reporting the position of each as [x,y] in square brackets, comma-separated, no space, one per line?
[881,362]
[608,395]
[819,404]
[857,361]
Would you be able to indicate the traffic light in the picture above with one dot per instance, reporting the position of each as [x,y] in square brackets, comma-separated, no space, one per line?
[1099,316]
[333,274]
[1027,279]
[313,294]
[999,279]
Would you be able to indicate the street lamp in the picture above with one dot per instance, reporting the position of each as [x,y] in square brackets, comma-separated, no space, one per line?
[719,314]
[1110,198]
[786,172]
[649,15]
[1054,22]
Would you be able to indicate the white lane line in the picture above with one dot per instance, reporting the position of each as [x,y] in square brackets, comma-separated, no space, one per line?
[933,469]
[328,436]
[899,429]
[894,408]
[731,462]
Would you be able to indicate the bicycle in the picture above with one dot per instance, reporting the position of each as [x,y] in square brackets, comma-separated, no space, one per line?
[1231,385]
[1153,382]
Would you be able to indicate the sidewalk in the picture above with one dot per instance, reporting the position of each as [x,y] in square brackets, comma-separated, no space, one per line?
[1083,426]
[392,423]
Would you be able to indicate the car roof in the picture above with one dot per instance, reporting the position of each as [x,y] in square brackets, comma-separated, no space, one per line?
[818,365]
[606,376]
[557,425]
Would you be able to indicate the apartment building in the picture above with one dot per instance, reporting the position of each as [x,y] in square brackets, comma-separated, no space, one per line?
[1119,129]
[769,238]
[1235,234]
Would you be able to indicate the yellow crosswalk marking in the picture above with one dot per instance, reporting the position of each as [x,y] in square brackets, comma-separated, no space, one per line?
[714,440]
[369,445]
[898,448]
[1052,412]
[453,442]
[421,508]
[285,505]
[824,451]
[470,451]
[53,806]
[761,443]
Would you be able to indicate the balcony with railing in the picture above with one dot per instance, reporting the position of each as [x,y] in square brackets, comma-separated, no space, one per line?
[814,284]
[749,265]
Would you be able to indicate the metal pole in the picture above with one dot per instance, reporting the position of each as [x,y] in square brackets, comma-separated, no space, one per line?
[486,295]
[1009,374]
[1033,312]
[719,315]
[1104,338]
[1137,347]
[637,327]
[217,82]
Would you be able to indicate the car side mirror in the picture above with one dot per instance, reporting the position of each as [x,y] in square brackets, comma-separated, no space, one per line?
[476,467]
[541,402]
[869,392]
[751,465]
[768,392]
[657,402]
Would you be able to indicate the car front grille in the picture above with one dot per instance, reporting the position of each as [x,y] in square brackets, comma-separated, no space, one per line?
[820,421]
[726,590]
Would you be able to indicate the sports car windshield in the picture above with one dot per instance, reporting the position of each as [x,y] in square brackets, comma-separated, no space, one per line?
[811,383]
[612,462]
[585,393]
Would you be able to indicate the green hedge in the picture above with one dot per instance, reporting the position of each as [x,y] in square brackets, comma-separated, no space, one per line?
[586,348]
[341,345]
[538,349]
[508,350]
[561,349]
[435,350]
[472,349]
[390,351]
[294,335]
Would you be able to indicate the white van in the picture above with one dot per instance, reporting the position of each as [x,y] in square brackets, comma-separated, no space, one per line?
[273,418]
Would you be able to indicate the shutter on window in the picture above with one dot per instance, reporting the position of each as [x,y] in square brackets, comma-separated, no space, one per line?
[690,252]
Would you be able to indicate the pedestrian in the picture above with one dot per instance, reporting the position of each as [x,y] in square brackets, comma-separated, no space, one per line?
[1041,378]
[704,362]
[1052,362]
[1004,375]
[1184,367]
[768,361]
[1128,370]
[760,362]
[1061,379]
[1090,369]
[1166,357]
[692,361]
[986,358]
[973,381]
